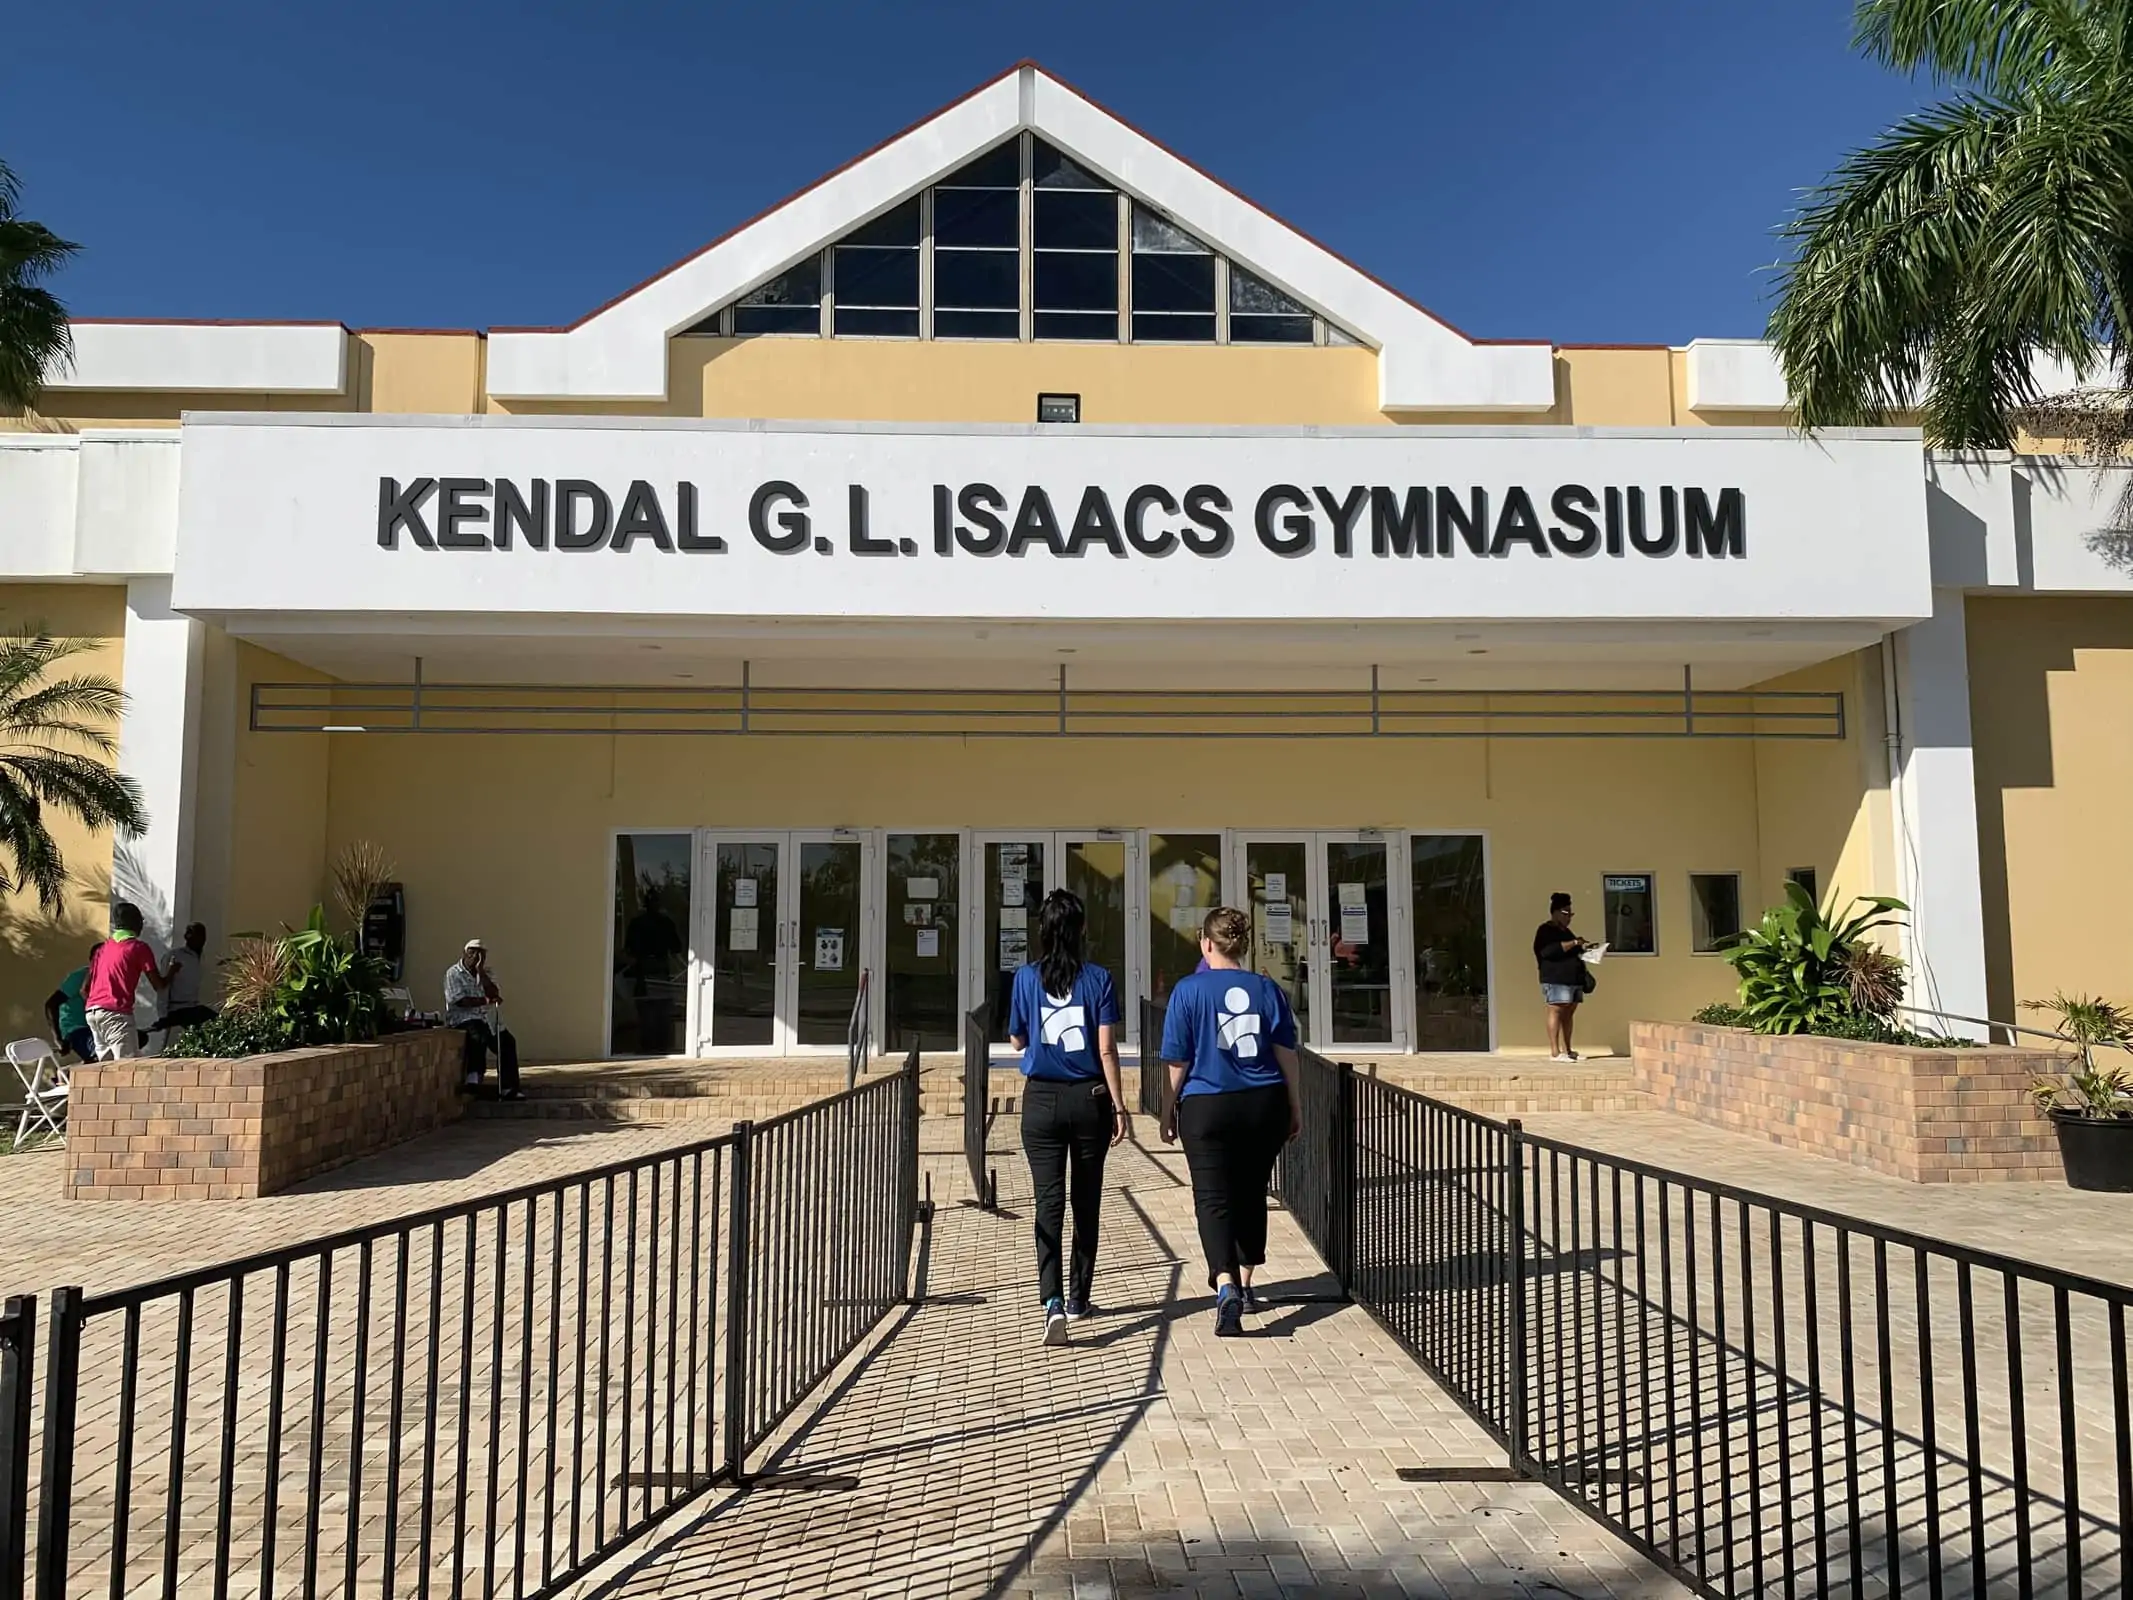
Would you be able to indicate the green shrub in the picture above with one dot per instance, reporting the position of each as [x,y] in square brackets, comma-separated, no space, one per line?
[1869,1029]
[309,987]
[1721,1015]
[1797,965]
[238,1031]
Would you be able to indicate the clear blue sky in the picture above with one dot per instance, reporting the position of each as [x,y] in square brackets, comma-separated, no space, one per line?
[1576,170]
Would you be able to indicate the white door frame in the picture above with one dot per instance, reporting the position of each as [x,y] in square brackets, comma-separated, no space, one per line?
[1319,921]
[979,958]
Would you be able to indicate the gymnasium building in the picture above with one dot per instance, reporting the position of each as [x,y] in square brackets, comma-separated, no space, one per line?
[1019,505]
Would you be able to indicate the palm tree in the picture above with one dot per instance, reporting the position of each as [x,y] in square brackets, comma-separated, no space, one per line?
[1938,263]
[34,336]
[54,748]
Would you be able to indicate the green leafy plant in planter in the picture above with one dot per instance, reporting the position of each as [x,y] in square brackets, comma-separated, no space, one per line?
[308,987]
[1806,970]
[2091,1106]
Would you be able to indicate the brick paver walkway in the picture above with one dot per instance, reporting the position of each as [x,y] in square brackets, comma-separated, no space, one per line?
[1148,1458]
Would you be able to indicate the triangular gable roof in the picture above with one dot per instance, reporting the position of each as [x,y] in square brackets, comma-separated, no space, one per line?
[619,352]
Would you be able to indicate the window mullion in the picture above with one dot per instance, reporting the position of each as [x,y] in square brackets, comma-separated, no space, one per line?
[1026,235]
[1221,299]
[829,294]
[925,264]
[1125,267]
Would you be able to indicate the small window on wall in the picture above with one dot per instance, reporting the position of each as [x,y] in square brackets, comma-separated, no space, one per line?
[1629,914]
[874,276]
[1714,911]
[1805,877]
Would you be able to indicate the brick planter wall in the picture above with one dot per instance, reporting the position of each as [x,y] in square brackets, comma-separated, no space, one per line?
[189,1129]
[1933,1116]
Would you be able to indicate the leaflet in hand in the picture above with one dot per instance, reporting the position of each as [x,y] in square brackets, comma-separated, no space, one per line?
[1594,954]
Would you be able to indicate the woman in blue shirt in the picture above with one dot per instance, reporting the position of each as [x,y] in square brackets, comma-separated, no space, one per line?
[1229,1041]
[1063,1017]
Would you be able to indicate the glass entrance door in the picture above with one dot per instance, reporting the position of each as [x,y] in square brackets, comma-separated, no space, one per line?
[786,930]
[1324,926]
[1015,872]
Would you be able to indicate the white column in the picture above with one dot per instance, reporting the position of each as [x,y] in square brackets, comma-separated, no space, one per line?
[1935,795]
[158,748]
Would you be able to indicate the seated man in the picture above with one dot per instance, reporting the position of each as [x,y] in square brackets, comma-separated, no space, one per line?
[68,1014]
[181,1001]
[469,991]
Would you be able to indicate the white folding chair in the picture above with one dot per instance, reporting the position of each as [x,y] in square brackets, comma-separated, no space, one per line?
[45,1081]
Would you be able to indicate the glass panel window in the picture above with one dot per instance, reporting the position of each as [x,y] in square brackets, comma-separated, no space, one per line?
[1806,878]
[789,303]
[1014,889]
[998,168]
[977,249]
[651,966]
[1359,943]
[1074,234]
[976,280]
[977,219]
[827,954]
[1173,282]
[1184,884]
[1451,923]
[920,1009]
[1628,916]
[977,324]
[1714,911]
[744,984]
[1259,313]
[876,276]
[1276,874]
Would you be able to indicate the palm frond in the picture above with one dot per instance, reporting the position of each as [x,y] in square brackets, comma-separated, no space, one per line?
[1991,45]
[27,843]
[94,794]
[35,336]
[59,707]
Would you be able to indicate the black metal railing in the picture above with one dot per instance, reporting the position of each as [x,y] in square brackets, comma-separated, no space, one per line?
[1155,1078]
[859,1032]
[1315,1178]
[1766,1397]
[493,1396]
[977,1106]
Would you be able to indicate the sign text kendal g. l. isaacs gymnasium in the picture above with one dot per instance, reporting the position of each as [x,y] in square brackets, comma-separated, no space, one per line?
[979,519]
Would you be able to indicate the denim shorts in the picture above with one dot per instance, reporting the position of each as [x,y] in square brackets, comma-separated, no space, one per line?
[1562,994]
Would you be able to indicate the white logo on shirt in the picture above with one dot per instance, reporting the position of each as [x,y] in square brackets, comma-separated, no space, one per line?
[1240,1025]
[1063,1024]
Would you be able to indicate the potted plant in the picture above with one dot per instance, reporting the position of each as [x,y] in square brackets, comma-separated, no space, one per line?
[2091,1108]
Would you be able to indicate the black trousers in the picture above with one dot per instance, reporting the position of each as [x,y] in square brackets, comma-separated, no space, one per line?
[1231,1143]
[183,1017]
[480,1041]
[1066,1128]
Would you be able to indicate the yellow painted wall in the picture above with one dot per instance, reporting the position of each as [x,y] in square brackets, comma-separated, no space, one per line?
[2051,703]
[1826,805]
[38,948]
[259,856]
[423,373]
[509,837]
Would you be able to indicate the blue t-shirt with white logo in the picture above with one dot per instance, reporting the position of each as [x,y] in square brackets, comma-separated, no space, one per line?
[1223,1024]
[1061,1029]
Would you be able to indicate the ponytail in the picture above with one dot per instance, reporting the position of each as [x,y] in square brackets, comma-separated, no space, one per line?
[1061,924]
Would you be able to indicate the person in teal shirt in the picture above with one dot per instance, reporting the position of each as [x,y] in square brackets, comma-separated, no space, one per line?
[68,1015]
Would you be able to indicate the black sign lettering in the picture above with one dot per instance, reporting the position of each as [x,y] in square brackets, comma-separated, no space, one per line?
[1399,524]
[1210,534]
[526,512]
[642,518]
[794,523]
[1298,533]
[1723,533]
[1162,541]
[568,535]
[402,508]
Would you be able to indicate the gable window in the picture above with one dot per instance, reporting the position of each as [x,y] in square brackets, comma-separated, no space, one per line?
[789,303]
[874,276]
[1173,283]
[977,248]
[1023,242]
[1074,250]
[1259,313]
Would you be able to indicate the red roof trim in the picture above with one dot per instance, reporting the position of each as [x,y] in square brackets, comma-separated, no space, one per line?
[1098,105]
[1605,345]
[474,333]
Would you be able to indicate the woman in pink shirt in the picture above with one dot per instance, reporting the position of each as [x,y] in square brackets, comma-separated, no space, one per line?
[115,973]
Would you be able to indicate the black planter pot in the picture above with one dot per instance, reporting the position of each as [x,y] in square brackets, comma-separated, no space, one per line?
[2098,1152]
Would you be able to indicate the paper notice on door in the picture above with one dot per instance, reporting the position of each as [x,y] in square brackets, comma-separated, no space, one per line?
[920,915]
[1352,896]
[1183,898]
[1277,924]
[1185,918]
[829,949]
[1011,890]
[929,944]
[1014,917]
[744,891]
[1277,886]
[1355,925]
[922,888]
[740,932]
[1014,948]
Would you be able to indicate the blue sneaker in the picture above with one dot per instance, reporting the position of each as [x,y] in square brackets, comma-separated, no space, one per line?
[1254,1302]
[1229,1312]
[1055,1322]
[1078,1309]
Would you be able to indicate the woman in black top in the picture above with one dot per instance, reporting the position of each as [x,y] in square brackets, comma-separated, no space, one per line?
[1562,975]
